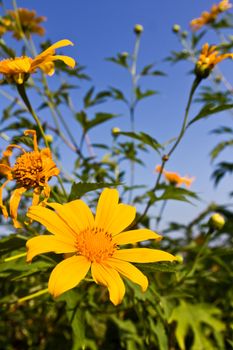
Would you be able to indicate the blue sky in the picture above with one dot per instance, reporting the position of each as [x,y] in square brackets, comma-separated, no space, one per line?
[100,29]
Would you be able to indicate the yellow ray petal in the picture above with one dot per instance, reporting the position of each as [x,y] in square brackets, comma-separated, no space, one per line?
[129,271]
[56,45]
[143,255]
[44,244]
[2,206]
[111,279]
[14,204]
[122,217]
[52,222]
[69,61]
[76,214]
[67,274]
[135,236]
[107,204]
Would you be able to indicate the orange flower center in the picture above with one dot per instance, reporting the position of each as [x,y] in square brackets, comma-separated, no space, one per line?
[28,170]
[95,244]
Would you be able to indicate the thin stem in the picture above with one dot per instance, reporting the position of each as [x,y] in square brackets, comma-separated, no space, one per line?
[165,158]
[134,78]
[159,217]
[22,93]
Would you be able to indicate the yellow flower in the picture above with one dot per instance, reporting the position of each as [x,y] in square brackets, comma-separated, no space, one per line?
[18,69]
[29,22]
[210,17]
[208,59]
[175,178]
[94,243]
[32,170]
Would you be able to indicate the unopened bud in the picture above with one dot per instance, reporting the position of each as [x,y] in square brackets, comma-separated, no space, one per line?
[217,221]
[176,28]
[138,29]
[184,34]
[124,54]
[49,138]
[115,131]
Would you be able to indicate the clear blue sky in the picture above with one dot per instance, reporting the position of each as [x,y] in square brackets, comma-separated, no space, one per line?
[100,29]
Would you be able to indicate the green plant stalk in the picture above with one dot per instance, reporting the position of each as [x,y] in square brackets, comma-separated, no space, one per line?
[160,215]
[165,158]
[134,78]
[22,93]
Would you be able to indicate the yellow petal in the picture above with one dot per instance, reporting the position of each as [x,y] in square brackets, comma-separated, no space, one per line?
[52,222]
[122,217]
[44,244]
[69,61]
[60,43]
[67,274]
[106,207]
[135,236]
[2,206]
[143,255]
[76,214]
[111,279]
[14,204]
[129,271]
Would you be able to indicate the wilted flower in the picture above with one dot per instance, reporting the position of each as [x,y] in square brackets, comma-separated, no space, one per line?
[175,178]
[18,69]
[29,23]
[93,243]
[210,17]
[208,59]
[32,170]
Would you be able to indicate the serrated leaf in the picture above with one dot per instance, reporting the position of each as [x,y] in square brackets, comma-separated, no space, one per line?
[81,188]
[210,109]
[144,138]
[192,317]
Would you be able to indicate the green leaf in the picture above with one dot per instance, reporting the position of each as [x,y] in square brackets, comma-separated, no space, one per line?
[159,266]
[117,94]
[121,60]
[81,188]
[145,139]
[176,193]
[10,243]
[99,119]
[140,95]
[210,109]
[193,317]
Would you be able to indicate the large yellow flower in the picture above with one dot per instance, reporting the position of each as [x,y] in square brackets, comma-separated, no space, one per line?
[18,69]
[210,17]
[94,244]
[208,59]
[175,178]
[32,170]
[29,22]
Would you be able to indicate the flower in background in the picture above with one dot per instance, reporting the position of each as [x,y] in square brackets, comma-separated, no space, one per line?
[18,69]
[93,243]
[32,170]
[174,178]
[5,24]
[208,59]
[25,22]
[210,17]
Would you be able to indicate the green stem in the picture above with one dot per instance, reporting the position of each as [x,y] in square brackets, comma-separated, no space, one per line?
[159,217]
[22,93]
[165,158]
[134,77]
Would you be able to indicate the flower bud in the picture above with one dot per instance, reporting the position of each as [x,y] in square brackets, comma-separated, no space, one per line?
[115,131]
[49,138]
[176,28]
[124,54]
[138,29]
[179,258]
[217,221]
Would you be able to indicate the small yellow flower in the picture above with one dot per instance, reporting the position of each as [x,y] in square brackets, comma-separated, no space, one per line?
[32,170]
[210,17]
[18,69]
[208,59]
[29,22]
[93,243]
[174,178]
